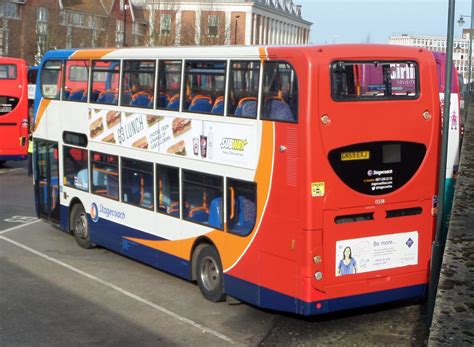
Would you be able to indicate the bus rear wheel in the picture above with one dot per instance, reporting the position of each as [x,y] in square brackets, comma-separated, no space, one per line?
[80,227]
[210,276]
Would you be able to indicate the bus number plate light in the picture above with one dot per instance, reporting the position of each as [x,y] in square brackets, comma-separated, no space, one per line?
[356,155]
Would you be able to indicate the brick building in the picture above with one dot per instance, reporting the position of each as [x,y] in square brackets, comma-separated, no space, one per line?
[28,28]
[219,22]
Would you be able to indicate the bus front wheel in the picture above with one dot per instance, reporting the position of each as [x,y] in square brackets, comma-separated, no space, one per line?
[80,227]
[210,276]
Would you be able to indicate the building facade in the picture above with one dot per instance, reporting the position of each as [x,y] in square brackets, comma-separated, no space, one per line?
[226,22]
[438,44]
[28,28]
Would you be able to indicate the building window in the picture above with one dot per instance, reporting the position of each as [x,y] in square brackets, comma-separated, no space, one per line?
[9,10]
[138,29]
[119,36]
[62,18]
[42,15]
[213,25]
[98,23]
[165,24]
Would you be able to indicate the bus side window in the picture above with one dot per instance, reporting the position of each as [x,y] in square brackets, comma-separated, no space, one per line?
[243,89]
[104,174]
[76,80]
[202,199]
[51,75]
[138,83]
[104,83]
[137,183]
[204,87]
[76,172]
[280,92]
[241,206]
[167,185]
[169,84]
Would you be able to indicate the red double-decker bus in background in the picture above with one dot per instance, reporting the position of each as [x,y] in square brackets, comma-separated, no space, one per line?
[13,110]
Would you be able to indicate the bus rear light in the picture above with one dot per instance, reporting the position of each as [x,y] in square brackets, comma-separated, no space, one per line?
[318,275]
[317,259]
[427,115]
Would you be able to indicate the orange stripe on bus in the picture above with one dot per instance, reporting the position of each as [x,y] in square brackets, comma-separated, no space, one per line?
[91,53]
[230,246]
[41,108]
[263,53]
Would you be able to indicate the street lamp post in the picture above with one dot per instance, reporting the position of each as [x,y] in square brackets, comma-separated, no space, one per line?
[461,22]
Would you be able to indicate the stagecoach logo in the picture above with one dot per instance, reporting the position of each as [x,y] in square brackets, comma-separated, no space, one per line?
[94,212]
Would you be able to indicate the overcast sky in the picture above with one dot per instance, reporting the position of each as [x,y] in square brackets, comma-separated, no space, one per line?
[353,21]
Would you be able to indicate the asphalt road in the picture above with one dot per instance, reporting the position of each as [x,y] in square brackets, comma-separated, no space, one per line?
[55,293]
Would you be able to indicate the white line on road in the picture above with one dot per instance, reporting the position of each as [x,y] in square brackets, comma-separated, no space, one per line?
[19,226]
[114,287]
[5,171]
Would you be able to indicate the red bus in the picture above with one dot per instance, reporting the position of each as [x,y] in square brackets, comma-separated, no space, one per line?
[300,179]
[13,109]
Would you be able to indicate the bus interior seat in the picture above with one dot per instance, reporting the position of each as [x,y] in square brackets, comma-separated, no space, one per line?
[107,97]
[66,94]
[141,99]
[277,109]
[82,179]
[164,100]
[247,107]
[126,97]
[246,210]
[94,95]
[199,214]
[173,104]
[215,213]
[76,95]
[218,107]
[201,103]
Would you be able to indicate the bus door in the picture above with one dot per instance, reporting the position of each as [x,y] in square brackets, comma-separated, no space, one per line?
[47,180]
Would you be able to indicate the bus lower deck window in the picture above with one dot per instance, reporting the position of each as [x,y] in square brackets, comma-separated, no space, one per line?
[167,185]
[137,183]
[76,173]
[241,206]
[104,175]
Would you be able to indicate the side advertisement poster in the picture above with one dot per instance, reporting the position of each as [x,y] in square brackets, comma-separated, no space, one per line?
[230,144]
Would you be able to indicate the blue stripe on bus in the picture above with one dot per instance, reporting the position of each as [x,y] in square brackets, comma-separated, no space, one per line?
[112,236]
[13,157]
[270,299]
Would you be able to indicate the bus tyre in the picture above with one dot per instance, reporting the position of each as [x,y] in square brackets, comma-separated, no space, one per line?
[210,276]
[2,162]
[80,227]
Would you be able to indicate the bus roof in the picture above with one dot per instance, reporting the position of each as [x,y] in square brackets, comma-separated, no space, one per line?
[343,50]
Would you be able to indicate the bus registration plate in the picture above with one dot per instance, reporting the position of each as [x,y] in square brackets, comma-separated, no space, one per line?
[356,155]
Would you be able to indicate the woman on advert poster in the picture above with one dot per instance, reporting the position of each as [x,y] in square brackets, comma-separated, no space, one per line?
[347,265]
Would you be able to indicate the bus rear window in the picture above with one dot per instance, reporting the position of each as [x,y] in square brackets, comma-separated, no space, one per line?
[7,71]
[374,80]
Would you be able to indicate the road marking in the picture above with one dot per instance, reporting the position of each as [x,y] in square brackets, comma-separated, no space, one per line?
[5,171]
[19,226]
[117,288]
[20,219]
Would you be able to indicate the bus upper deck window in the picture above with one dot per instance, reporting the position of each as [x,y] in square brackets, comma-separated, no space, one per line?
[169,84]
[7,71]
[76,80]
[243,89]
[374,80]
[204,87]
[280,92]
[138,83]
[51,76]
[105,82]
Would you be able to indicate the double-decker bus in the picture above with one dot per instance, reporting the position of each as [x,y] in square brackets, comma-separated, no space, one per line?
[13,109]
[300,179]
